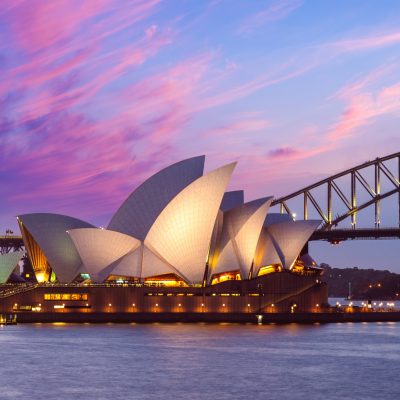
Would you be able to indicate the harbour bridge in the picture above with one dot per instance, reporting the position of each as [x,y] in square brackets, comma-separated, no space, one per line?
[343,196]
[335,200]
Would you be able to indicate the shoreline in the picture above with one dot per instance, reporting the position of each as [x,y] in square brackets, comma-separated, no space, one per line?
[262,318]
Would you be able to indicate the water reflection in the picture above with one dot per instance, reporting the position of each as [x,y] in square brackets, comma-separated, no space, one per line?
[200,361]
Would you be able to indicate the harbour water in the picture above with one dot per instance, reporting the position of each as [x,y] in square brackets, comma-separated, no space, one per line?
[200,361]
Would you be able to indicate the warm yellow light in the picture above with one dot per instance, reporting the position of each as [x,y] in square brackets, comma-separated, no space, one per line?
[267,269]
[179,305]
[41,277]
[202,304]
[109,304]
[272,305]
[133,305]
[223,305]
[156,304]
[248,305]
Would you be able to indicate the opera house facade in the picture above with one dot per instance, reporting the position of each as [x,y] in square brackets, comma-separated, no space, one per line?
[180,243]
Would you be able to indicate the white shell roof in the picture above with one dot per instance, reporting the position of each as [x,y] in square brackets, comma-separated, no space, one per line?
[241,232]
[50,233]
[139,211]
[99,249]
[8,262]
[216,241]
[154,265]
[140,262]
[290,237]
[182,232]
[266,253]
[128,265]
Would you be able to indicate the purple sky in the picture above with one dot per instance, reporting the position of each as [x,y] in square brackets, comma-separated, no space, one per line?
[95,96]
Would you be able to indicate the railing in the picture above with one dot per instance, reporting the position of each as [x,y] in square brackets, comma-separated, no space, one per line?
[11,290]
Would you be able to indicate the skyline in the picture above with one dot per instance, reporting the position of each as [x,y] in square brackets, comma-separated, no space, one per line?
[96,97]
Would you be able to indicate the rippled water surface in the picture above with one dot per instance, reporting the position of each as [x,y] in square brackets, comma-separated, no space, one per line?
[199,361]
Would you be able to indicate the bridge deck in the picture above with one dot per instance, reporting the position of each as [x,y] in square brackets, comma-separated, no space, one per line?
[339,235]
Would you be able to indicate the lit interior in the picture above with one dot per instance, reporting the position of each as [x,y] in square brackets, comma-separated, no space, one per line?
[226,276]
[269,269]
[165,280]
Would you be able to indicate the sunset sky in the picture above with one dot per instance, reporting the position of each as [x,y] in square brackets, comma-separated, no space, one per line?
[95,96]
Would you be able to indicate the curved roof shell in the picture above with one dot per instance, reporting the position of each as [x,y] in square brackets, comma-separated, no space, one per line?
[139,211]
[140,262]
[154,265]
[100,249]
[182,232]
[49,234]
[266,253]
[290,237]
[8,262]
[241,232]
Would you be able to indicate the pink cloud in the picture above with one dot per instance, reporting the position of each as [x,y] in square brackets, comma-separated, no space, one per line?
[374,41]
[364,104]
[275,11]
[284,152]
[242,126]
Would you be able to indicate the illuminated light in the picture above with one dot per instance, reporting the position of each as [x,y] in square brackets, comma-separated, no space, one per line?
[156,304]
[268,269]
[223,305]
[202,304]
[317,305]
[248,305]
[109,304]
[133,305]
[58,306]
[272,305]
[87,305]
[41,277]
[179,305]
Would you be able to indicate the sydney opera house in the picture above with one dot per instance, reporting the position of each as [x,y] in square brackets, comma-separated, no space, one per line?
[180,243]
